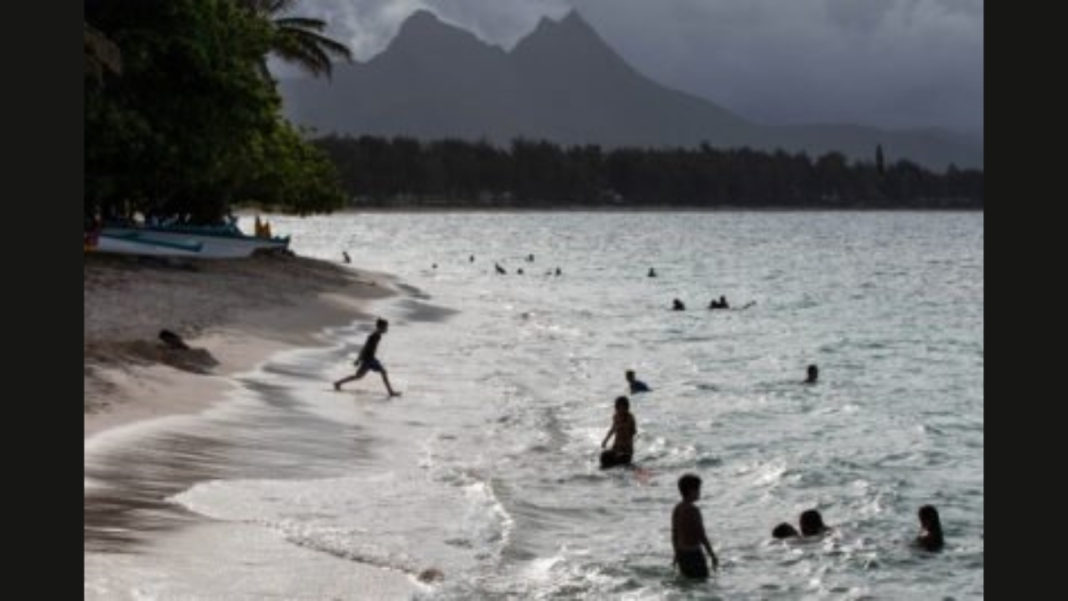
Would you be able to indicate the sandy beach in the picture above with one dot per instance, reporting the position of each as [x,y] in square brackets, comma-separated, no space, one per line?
[233,314]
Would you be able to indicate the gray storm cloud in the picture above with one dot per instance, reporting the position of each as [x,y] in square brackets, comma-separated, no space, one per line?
[889,63]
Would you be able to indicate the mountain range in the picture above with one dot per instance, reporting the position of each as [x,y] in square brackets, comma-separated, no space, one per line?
[563,83]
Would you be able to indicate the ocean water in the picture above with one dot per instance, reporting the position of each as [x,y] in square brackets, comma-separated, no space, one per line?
[485,469]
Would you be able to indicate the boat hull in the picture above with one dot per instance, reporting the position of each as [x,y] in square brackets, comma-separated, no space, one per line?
[126,245]
[212,246]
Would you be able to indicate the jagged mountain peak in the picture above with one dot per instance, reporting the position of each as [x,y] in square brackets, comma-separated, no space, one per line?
[423,30]
[573,19]
[420,23]
[561,82]
[569,34]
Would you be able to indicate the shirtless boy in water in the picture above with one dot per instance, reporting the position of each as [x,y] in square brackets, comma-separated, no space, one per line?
[624,429]
[688,531]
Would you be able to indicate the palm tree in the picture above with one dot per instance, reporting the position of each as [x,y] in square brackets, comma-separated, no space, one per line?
[298,39]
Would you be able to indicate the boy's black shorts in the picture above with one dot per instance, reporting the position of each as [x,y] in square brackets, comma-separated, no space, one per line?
[693,564]
[612,459]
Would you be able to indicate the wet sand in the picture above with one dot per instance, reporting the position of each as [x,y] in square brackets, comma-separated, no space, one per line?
[233,314]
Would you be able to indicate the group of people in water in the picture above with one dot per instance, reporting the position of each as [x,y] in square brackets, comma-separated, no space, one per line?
[811,523]
[688,537]
[721,303]
[502,271]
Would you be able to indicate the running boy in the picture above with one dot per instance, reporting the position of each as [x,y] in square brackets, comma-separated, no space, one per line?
[367,361]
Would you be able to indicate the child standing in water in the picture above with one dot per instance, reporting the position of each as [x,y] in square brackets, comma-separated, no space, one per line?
[688,531]
[624,429]
[367,361]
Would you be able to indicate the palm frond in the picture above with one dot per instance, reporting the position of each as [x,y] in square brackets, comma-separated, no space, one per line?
[312,60]
[328,45]
[300,23]
[298,39]
[267,7]
[280,6]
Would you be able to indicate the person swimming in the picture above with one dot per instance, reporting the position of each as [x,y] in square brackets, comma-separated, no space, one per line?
[722,304]
[636,385]
[812,523]
[930,537]
[784,530]
[676,305]
[499,269]
[813,374]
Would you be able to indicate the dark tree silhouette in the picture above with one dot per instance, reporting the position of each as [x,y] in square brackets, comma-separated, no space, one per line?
[454,173]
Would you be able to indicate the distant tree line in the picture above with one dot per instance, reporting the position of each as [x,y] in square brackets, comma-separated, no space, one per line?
[400,171]
[182,116]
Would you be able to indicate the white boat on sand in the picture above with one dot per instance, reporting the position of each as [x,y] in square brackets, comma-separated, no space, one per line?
[202,242]
[132,245]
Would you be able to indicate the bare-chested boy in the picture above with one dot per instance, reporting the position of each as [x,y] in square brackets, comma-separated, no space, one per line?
[624,429]
[688,531]
[367,361]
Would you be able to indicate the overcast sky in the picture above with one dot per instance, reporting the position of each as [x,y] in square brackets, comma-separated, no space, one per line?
[888,63]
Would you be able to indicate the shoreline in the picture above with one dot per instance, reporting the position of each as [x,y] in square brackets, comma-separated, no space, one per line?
[233,315]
